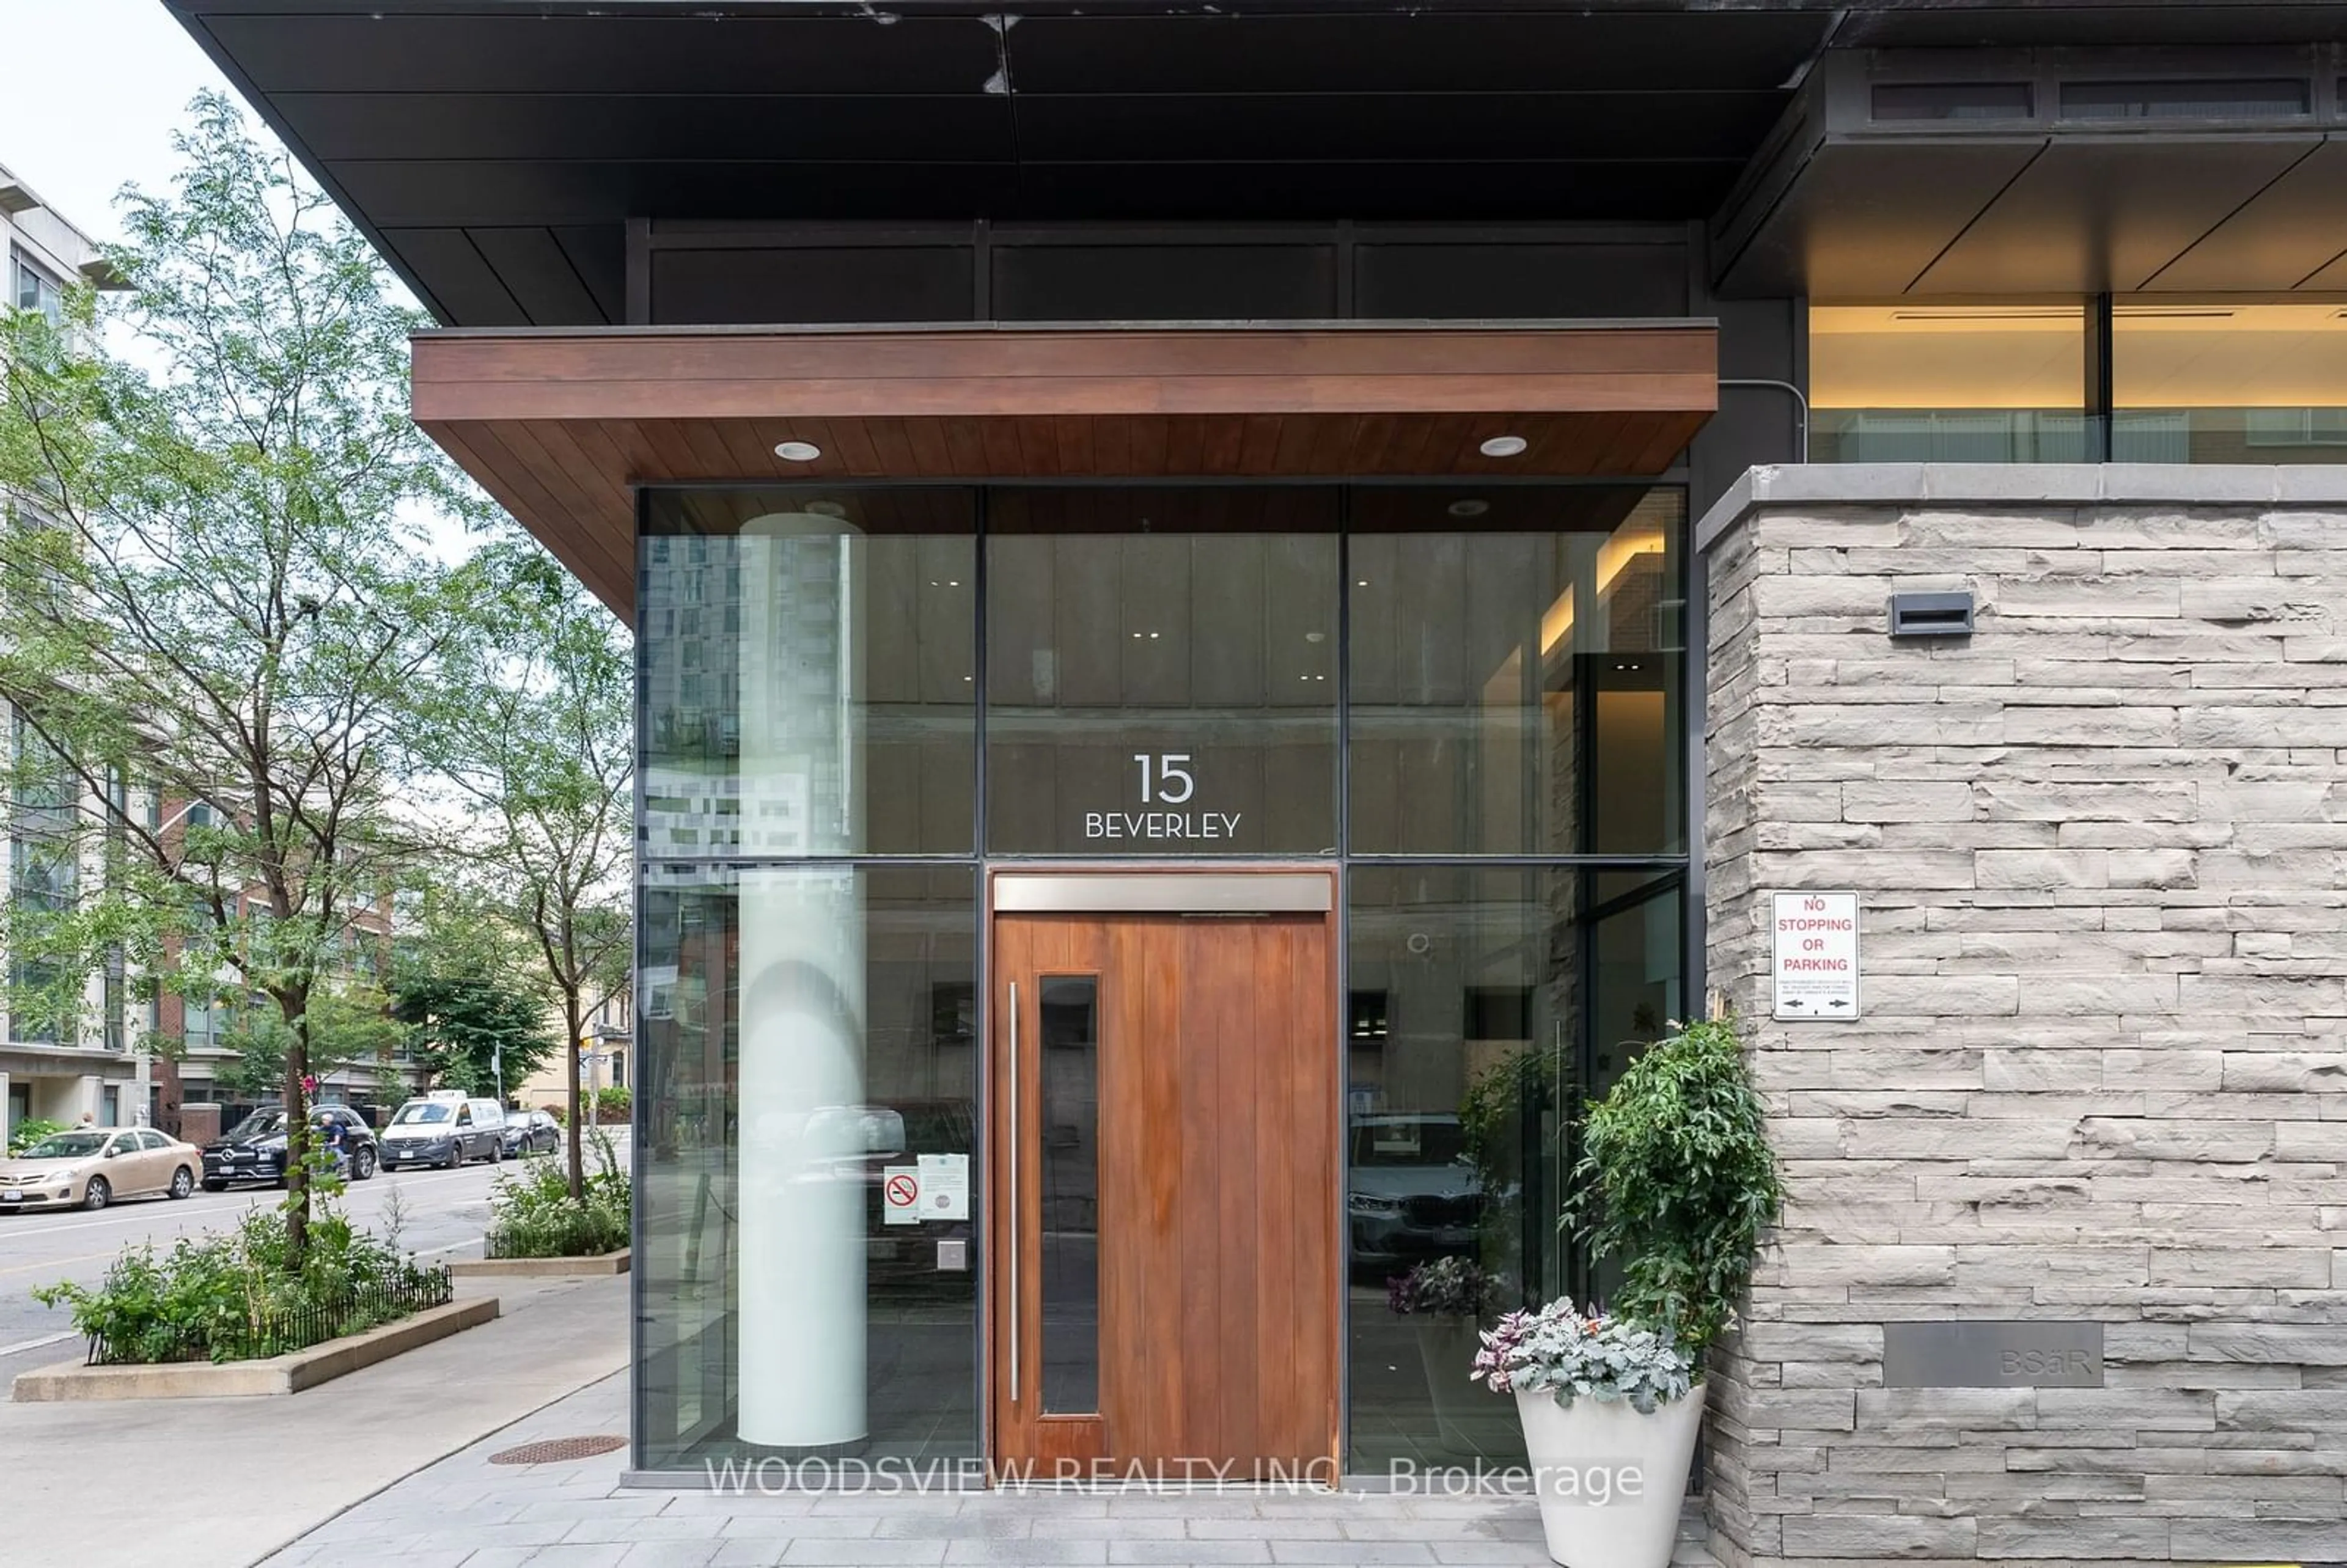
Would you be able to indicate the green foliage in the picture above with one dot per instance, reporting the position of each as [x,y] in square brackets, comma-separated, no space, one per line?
[225,621]
[534,734]
[347,1026]
[31,1131]
[1677,1181]
[613,1102]
[466,998]
[240,1294]
[534,1216]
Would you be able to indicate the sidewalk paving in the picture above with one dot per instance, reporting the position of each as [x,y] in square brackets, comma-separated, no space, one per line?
[465,1512]
[226,1482]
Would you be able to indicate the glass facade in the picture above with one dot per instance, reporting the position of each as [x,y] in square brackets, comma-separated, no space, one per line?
[2222,380]
[853,700]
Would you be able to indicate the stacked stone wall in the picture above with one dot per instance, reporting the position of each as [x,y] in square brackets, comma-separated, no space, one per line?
[2101,1075]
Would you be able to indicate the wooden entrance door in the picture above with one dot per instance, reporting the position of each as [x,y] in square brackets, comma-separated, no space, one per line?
[1164,1161]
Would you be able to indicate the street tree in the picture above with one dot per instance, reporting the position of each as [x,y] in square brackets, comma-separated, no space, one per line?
[537,740]
[466,990]
[222,611]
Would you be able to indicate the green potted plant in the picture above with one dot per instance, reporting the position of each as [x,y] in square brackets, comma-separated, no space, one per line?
[1676,1184]
[1446,1300]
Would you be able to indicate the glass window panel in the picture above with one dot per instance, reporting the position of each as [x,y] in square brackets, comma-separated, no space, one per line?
[809,672]
[2271,100]
[1952,100]
[1948,384]
[1487,1005]
[802,1030]
[1519,693]
[1069,1202]
[2222,382]
[1156,684]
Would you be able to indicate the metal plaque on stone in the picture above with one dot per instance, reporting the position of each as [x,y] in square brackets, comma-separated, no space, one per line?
[1993,1355]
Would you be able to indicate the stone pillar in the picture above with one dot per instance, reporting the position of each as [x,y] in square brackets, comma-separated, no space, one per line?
[799,968]
[2100,1076]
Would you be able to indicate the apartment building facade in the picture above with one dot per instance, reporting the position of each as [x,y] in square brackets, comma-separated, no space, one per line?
[1239,604]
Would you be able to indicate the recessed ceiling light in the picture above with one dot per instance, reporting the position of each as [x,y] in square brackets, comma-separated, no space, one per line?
[1505,447]
[1472,509]
[798,451]
[826,509]
[1315,636]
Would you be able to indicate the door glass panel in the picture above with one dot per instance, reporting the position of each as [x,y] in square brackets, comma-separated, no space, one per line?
[1154,686]
[1068,1207]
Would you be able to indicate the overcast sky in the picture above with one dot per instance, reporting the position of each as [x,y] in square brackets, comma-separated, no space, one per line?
[93,92]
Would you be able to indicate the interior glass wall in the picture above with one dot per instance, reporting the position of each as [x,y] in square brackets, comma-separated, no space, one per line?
[1927,383]
[851,699]
[2229,382]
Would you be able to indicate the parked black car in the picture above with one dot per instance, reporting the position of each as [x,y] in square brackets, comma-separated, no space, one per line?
[531,1133]
[254,1149]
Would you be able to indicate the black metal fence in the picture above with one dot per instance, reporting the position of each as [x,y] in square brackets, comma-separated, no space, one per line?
[276,1333]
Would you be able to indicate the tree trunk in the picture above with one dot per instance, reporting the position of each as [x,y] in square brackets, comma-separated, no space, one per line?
[574,1022]
[295,1006]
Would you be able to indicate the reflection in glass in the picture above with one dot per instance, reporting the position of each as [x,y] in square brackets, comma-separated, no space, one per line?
[1517,693]
[1487,1004]
[808,673]
[783,1067]
[1067,1205]
[1162,694]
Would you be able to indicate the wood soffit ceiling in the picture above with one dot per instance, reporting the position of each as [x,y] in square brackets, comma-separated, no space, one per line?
[562,427]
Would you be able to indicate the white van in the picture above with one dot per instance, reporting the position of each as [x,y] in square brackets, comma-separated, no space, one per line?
[443,1127]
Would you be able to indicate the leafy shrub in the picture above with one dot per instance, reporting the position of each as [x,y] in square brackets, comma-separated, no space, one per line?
[614,1103]
[231,1296]
[534,1216]
[1444,1287]
[1676,1179]
[1574,1357]
[31,1131]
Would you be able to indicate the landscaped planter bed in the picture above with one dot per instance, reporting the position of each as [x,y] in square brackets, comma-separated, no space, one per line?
[540,1268]
[287,1373]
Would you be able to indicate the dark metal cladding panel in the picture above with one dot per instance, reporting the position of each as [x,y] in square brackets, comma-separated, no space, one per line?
[532,266]
[2093,214]
[891,284]
[1164,283]
[1866,218]
[1528,282]
[590,53]
[1416,50]
[462,126]
[2285,237]
[1350,127]
[465,288]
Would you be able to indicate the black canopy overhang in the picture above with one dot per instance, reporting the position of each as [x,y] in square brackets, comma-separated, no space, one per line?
[517,136]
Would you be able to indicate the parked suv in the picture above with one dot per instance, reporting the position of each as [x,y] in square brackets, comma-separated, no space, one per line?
[254,1149]
[444,1129]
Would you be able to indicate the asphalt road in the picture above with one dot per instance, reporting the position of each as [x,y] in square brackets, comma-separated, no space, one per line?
[446,1213]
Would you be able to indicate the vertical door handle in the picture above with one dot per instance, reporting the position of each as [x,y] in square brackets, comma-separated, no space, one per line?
[1010,1225]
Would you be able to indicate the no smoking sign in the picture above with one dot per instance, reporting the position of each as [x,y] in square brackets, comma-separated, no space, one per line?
[900,1194]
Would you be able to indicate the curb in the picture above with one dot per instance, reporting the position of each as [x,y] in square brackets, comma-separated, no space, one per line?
[288,1374]
[540,1268]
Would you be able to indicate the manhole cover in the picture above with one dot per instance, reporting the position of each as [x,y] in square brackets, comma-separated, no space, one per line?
[554,1449]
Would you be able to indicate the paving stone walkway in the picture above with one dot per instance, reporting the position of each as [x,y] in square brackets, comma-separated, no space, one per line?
[465,1512]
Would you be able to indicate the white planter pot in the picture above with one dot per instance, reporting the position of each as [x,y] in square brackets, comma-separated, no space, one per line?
[1609,1480]
[1469,1419]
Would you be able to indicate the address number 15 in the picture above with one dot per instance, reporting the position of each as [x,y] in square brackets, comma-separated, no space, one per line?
[1171,775]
